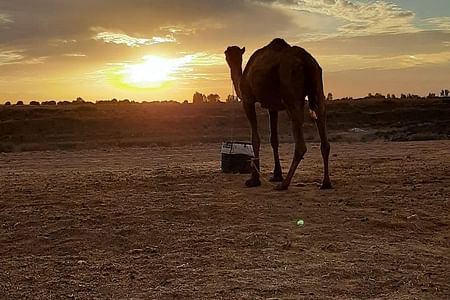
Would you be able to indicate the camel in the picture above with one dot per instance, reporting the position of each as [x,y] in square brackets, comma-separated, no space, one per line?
[279,77]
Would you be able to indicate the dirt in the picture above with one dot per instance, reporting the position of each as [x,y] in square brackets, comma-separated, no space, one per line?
[165,223]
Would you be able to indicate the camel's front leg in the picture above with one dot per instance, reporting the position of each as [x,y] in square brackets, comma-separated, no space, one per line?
[251,116]
[277,173]
[300,146]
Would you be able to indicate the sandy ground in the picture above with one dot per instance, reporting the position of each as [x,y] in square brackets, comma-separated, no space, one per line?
[165,223]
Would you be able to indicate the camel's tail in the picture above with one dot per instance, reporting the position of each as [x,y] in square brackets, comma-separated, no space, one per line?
[315,93]
[312,114]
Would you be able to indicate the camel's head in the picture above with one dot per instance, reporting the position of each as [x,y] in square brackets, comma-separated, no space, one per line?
[233,55]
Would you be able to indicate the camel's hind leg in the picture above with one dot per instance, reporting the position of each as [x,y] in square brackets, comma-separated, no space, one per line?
[297,117]
[318,100]
[291,72]
[277,173]
[325,149]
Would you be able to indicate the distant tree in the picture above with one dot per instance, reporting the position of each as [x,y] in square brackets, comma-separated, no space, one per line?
[114,100]
[431,95]
[19,102]
[185,102]
[232,99]
[388,96]
[393,96]
[50,102]
[198,98]
[124,101]
[170,102]
[412,96]
[34,103]
[7,103]
[65,102]
[330,96]
[442,93]
[446,93]
[213,98]
[79,100]
[402,96]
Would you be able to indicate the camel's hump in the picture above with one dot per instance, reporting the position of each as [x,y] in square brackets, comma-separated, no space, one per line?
[278,43]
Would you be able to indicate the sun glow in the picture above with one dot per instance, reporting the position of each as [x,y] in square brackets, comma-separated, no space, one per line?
[154,72]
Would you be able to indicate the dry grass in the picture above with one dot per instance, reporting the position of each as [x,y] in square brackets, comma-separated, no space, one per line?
[143,125]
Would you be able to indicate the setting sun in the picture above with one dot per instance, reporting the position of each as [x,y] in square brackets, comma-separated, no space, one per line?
[154,72]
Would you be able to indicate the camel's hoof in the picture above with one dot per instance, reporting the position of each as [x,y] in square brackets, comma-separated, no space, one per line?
[252,182]
[281,187]
[326,186]
[276,178]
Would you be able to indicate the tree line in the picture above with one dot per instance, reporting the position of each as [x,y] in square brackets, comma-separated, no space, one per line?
[199,98]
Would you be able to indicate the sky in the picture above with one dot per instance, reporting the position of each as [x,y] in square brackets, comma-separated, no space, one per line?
[167,50]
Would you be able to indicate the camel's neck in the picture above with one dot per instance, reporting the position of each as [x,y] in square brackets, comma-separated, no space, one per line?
[236,75]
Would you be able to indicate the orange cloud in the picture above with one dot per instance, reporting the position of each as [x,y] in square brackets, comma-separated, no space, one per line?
[130,41]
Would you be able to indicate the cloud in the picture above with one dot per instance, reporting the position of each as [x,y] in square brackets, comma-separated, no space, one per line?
[130,41]
[178,29]
[203,66]
[334,63]
[206,59]
[381,44]
[5,19]
[74,55]
[180,19]
[60,42]
[12,57]
[442,23]
[358,18]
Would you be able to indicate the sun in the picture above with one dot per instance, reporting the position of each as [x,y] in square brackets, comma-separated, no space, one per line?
[153,73]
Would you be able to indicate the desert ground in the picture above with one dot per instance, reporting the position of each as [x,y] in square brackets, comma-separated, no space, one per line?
[135,210]
[89,126]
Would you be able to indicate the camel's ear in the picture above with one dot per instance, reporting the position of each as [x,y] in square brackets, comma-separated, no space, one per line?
[243,50]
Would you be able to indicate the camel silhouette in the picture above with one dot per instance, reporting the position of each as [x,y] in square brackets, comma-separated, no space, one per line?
[279,77]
